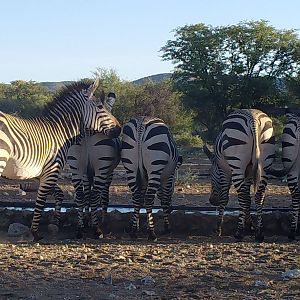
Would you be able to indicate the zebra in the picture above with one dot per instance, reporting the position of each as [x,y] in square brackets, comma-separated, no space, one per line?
[291,166]
[92,161]
[150,157]
[244,150]
[37,147]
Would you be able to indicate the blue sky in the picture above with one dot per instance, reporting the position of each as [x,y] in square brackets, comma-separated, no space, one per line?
[57,40]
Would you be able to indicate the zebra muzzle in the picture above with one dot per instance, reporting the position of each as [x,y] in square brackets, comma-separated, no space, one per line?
[114,132]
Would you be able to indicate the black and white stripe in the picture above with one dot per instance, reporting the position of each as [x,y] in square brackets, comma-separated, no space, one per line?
[37,147]
[291,166]
[92,162]
[243,151]
[150,157]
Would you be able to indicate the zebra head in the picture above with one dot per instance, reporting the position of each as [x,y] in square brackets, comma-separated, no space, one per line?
[215,173]
[97,117]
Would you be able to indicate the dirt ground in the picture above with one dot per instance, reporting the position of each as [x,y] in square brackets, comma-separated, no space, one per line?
[177,267]
[173,268]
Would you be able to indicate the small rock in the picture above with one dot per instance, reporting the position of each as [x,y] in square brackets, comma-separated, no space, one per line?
[53,229]
[17,229]
[84,256]
[148,280]
[290,274]
[259,283]
[108,280]
[5,193]
[130,286]
[21,193]
[148,293]
[70,194]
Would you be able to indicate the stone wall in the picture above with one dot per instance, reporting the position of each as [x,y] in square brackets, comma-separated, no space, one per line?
[275,223]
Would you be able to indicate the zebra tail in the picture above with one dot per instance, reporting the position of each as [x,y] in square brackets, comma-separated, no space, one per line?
[256,169]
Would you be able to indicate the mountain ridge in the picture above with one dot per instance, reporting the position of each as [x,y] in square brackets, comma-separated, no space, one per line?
[54,85]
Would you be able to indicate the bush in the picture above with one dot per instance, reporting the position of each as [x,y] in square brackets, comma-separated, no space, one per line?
[188,140]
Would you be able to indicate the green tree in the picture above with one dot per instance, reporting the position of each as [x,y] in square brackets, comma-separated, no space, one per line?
[151,98]
[24,98]
[222,68]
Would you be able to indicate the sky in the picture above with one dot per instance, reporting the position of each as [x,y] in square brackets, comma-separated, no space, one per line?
[57,40]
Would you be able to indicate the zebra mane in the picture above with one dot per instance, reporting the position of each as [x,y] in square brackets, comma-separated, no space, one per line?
[64,91]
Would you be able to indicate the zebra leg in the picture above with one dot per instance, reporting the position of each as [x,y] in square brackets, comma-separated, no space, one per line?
[79,200]
[95,200]
[165,199]
[244,202]
[165,194]
[293,185]
[259,200]
[104,204]
[59,196]
[136,200]
[87,191]
[224,198]
[47,182]
[153,186]
[220,220]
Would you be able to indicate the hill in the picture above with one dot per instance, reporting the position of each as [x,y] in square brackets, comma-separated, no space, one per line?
[153,78]
[54,85]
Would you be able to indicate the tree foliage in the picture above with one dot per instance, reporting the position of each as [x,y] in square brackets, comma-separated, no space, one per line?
[148,99]
[23,98]
[222,68]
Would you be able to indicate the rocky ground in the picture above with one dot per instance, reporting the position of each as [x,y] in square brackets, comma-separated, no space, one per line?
[187,267]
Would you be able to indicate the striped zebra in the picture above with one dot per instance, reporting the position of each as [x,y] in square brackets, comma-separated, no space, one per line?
[92,161]
[150,157]
[244,149]
[37,147]
[291,166]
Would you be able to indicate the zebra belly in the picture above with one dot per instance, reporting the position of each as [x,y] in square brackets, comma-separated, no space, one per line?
[14,169]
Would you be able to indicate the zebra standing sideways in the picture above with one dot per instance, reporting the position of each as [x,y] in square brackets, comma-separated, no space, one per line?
[150,157]
[243,151]
[37,147]
[92,161]
[291,166]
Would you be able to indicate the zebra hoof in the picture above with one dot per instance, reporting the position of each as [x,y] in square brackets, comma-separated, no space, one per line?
[36,236]
[152,237]
[105,228]
[217,231]
[79,234]
[259,238]
[167,231]
[133,234]
[97,234]
[292,236]
[239,236]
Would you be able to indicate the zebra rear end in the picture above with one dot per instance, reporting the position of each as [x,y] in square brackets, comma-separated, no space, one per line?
[291,166]
[150,157]
[244,150]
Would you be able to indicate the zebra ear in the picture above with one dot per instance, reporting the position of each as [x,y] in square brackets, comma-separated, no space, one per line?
[109,102]
[208,153]
[102,96]
[92,88]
